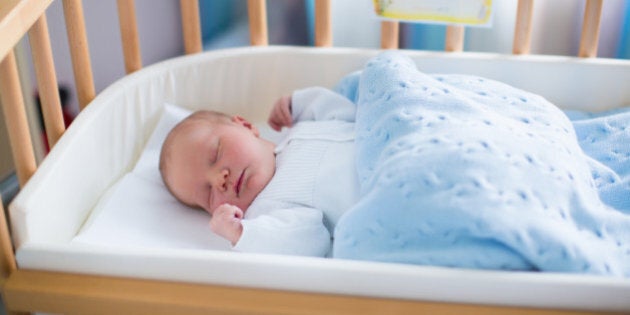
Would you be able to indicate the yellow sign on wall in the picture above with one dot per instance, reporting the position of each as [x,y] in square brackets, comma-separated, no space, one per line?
[465,12]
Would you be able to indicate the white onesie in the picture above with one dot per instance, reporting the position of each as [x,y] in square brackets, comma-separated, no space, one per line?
[314,183]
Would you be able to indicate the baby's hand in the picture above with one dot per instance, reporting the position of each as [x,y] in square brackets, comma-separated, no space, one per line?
[226,222]
[280,115]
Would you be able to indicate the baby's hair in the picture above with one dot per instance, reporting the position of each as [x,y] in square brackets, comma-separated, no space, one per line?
[201,118]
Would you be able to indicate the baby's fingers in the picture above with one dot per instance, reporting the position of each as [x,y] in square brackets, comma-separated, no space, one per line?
[285,111]
[280,115]
[274,123]
[231,212]
[238,213]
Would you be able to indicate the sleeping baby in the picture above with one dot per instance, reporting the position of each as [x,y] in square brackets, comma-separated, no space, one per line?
[262,197]
[401,166]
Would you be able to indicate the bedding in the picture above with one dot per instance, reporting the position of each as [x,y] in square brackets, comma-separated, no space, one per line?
[605,137]
[463,171]
[137,211]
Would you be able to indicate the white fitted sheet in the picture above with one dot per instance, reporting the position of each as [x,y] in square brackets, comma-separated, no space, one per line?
[106,141]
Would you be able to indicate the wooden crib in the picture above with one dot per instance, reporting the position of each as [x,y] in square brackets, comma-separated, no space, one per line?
[27,290]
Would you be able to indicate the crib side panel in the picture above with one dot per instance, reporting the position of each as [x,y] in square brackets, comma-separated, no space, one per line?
[81,294]
[16,17]
[102,144]
[591,84]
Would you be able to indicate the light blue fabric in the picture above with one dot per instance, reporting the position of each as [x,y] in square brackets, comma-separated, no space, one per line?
[463,171]
[605,137]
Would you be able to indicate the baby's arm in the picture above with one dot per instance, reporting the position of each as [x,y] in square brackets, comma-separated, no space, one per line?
[292,231]
[311,104]
[282,116]
[226,222]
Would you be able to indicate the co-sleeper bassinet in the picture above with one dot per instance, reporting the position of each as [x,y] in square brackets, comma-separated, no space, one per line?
[106,140]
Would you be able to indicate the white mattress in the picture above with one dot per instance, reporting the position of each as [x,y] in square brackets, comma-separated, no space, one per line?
[60,221]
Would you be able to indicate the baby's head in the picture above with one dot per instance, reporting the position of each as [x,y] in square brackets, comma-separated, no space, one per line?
[210,159]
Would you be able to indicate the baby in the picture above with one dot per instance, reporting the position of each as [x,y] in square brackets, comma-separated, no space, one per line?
[264,197]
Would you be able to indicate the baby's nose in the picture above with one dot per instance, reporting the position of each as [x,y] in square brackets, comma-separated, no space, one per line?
[221,180]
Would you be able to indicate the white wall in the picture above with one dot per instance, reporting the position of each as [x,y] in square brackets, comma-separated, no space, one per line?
[354,24]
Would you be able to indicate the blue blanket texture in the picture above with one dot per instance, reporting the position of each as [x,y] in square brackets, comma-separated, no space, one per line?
[463,171]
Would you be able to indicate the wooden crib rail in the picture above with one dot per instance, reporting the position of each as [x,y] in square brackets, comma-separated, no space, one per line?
[16,121]
[323,23]
[590,28]
[454,41]
[16,17]
[523,28]
[89,294]
[191,26]
[257,13]
[454,38]
[129,35]
[46,80]
[7,258]
[77,38]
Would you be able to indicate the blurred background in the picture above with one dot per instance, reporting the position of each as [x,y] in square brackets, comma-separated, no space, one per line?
[290,22]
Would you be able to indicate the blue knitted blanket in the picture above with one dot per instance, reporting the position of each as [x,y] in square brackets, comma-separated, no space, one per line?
[463,171]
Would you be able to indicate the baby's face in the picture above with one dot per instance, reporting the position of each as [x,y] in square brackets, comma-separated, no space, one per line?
[213,164]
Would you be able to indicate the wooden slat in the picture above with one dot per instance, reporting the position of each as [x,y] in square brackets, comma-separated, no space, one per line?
[46,80]
[7,258]
[77,38]
[590,28]
[523,28]
[129,35]
[63,293]
[257,13]
[323,23]
[389,35]
[454,38]
[191,26]
[16,121]
[16,17]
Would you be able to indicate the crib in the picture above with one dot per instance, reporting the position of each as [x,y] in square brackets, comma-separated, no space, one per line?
[44,270]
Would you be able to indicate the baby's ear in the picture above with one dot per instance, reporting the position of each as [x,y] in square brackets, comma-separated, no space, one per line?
[245,123]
